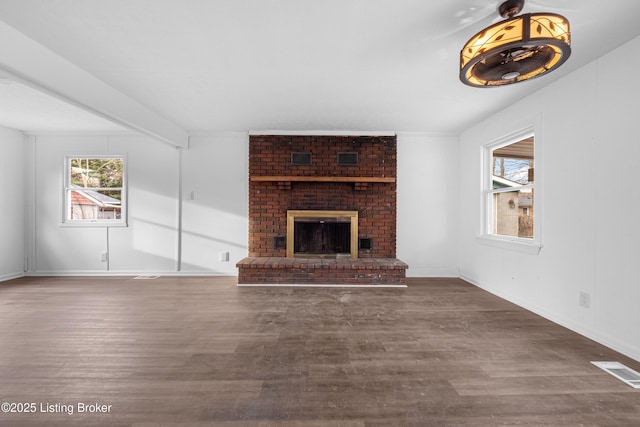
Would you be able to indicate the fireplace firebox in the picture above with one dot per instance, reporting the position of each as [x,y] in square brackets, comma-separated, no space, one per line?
[322,234]
[320,237]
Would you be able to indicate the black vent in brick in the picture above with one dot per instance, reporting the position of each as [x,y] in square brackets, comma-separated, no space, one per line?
[347,159]
[301,159]
[365,243]
[280,242]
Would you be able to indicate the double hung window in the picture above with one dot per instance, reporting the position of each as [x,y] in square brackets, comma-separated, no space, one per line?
[509,189]
[95,190]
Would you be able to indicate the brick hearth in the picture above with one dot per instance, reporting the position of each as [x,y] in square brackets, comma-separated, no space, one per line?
[364,271]
[278,184]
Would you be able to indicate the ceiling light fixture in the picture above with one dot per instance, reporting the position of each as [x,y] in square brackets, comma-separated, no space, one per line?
[516,49]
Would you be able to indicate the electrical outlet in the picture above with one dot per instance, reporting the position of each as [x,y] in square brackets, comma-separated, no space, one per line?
[224,256]
[104,257]
[585,299]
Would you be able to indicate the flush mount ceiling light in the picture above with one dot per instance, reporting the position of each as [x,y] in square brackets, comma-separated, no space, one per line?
[516,49]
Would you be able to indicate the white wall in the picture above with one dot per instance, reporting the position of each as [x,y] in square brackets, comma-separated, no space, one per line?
[589,206]
[216,172]
[213,170]
[206,187]
[148,244]
[428,204]
[12,202]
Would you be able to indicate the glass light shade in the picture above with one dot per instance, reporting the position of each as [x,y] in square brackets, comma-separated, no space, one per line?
[516,49]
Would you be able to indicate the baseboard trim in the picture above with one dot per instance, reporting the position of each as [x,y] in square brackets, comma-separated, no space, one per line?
[11,276]
[431,272]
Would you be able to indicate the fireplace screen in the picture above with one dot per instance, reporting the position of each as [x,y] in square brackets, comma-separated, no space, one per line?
[322,234]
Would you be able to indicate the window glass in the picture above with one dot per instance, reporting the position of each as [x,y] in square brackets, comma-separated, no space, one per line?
[95,190]
[511,190]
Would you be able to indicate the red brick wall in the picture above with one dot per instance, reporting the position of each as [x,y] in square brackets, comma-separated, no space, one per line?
[340,271]
[270,155]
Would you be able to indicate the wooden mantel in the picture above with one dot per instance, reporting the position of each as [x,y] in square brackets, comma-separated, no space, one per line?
[297,178]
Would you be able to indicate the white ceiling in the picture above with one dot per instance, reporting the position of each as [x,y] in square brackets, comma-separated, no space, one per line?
[24,108]
[238,65]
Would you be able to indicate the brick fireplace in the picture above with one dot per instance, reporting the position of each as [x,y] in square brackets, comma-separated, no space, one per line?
[322,210]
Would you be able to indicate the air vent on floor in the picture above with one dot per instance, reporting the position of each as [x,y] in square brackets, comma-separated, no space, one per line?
[621,372]
[146,277]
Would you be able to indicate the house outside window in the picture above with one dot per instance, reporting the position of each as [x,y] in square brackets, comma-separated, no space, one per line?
[510,188]
[95,190]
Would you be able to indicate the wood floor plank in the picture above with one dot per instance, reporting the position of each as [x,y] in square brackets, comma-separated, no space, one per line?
[200,351]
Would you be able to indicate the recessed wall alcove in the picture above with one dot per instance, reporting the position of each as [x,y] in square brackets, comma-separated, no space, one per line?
[322,210]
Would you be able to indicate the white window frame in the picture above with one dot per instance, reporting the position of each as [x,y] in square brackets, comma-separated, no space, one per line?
[67,189]
[487,234]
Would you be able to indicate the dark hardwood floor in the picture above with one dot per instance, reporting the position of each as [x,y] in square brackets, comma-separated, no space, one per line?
[194,351]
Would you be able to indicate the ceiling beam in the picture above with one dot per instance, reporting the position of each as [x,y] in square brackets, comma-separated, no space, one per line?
[37,66]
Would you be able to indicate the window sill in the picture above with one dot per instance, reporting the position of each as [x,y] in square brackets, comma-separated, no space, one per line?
[95,224]
[517,245]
